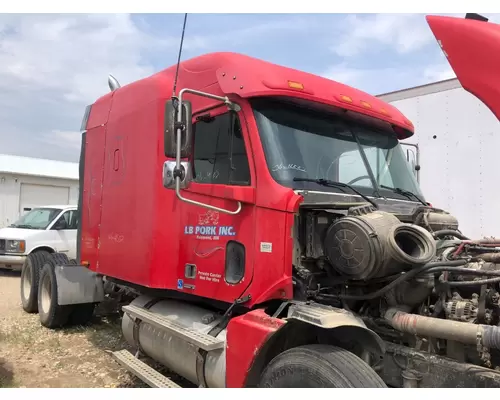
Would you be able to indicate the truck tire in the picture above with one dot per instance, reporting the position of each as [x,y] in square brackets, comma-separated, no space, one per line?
[30,275]
[81,314]
[52,315]
[319,366]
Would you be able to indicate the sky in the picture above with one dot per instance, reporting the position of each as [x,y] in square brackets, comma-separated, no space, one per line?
[52,66]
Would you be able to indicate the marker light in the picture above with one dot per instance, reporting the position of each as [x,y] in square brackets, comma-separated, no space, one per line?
[365,104]
[345,98]
[295,85]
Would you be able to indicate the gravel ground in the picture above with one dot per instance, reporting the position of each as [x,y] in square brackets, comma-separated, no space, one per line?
[33,356]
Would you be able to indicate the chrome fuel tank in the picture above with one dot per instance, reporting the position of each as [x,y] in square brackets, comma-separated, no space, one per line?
[175,353]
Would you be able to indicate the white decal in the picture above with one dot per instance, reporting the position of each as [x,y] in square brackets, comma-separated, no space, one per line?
[209,276]
[115,237]
[282,167]
[266,247]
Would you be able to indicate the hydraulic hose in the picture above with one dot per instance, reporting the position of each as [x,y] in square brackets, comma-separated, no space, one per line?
[449,232]
[409,275]
[474,283]
[489,336]
[468,271]
[465,271]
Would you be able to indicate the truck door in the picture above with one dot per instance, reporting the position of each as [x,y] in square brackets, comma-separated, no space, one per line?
[216,260]
[64,233]
[472,48]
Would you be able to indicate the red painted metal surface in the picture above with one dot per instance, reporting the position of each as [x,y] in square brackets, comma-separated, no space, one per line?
[141,237]
[473,50]
[245,337]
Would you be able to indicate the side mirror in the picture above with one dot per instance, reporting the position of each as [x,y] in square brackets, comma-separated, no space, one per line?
[170,129]
[412,160]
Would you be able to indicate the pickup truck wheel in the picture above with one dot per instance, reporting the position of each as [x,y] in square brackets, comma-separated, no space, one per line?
[52,315]
[319,366]
[30,274]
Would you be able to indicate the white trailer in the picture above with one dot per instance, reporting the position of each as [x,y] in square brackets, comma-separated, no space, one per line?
[458,141]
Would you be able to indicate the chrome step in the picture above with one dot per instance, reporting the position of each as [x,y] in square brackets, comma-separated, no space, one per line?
[143,371]
[205,342]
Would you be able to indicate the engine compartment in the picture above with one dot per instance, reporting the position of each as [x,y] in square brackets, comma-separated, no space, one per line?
[415,280]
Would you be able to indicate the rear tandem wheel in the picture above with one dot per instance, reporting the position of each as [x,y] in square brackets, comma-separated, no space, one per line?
[52,315]
[30,275]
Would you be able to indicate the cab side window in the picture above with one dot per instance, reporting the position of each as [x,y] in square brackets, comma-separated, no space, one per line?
[219,151]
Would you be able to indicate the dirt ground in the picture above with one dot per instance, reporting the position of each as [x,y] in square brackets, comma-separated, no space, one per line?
[33,356]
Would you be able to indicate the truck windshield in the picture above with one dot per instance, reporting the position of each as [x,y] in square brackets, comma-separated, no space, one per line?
[302,143]
[38,218]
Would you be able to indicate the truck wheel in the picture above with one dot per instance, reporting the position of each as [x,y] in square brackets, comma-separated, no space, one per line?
[30,274]
[319,366]
[52,315]
[81,314]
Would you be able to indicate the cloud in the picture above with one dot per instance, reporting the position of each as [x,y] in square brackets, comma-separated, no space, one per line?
[403,32]
[51,66]
[439,72]
[386,79]
[371,33]
[70,140]
[68,53]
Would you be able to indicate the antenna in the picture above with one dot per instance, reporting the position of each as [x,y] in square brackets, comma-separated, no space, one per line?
[179,58]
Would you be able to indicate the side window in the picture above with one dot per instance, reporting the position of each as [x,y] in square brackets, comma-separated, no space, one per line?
[71,218]
[219,151]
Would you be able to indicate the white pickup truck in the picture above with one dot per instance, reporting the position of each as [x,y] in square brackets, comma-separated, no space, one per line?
[43,229]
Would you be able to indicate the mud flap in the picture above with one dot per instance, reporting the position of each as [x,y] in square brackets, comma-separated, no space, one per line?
[472,48]
[78,285]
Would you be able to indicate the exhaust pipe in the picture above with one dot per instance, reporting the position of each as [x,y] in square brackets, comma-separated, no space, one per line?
[486,335]
[113,83]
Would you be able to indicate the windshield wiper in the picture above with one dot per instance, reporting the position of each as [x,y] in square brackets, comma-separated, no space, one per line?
[328,182]
[406,193]
[23,226]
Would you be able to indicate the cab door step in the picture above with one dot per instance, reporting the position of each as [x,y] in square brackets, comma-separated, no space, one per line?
[205,342]
[143,371]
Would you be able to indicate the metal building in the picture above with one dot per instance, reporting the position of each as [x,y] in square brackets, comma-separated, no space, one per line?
[30,182]
[458,140]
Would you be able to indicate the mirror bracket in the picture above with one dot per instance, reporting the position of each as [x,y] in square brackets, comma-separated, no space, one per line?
[170,172]
[178,174]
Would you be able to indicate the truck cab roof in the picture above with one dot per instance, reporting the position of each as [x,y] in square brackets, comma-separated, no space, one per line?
[234,74]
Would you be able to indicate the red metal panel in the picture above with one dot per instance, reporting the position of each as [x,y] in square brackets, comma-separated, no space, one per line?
[130,192]
[272,278]
[100,111]
[92,195]
[245,337]
[473,51]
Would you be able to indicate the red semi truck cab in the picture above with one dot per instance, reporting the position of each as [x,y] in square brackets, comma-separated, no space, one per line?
[265,229]
[261,127]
